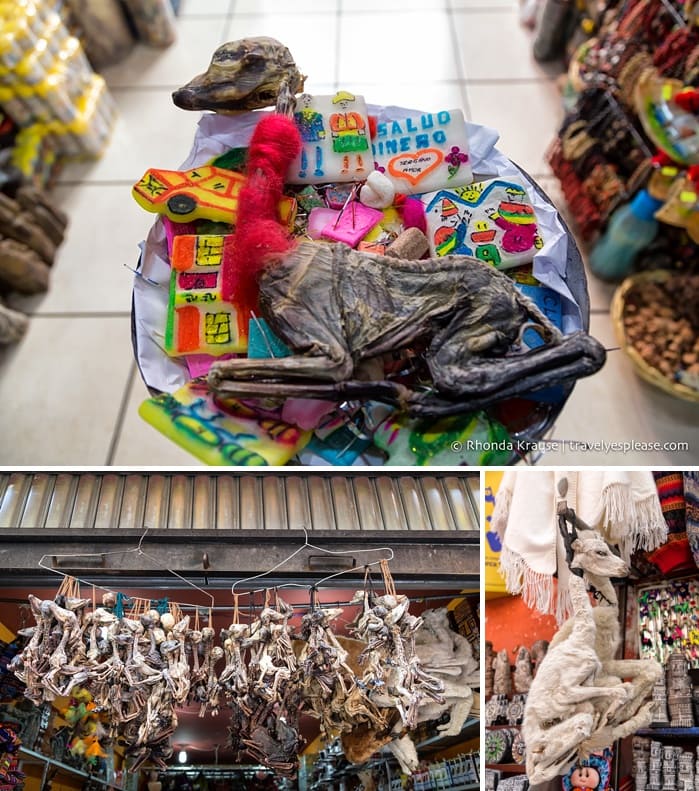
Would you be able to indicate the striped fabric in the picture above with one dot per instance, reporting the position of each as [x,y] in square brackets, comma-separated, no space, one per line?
[671,492]
[675,554]
[691,496]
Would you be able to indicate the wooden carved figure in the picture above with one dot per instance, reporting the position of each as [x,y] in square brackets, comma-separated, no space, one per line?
[522,678]
[537,653]
[502,682]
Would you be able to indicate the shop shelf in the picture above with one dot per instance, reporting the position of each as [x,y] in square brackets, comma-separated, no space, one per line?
[438,741]
[30,756]
[518,769]
[670,733]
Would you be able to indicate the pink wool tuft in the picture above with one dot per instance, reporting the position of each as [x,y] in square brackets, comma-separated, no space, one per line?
[414,215]
[274,145]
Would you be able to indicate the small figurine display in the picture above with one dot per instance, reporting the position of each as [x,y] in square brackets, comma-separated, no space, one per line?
[502,683]
[522,677]
[589,774]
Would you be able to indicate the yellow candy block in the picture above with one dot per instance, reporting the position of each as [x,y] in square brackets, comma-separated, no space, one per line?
[203,193]
[390,224]
[222,432]
[199,321]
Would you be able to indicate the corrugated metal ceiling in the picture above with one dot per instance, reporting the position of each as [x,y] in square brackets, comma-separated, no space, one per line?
[265,501]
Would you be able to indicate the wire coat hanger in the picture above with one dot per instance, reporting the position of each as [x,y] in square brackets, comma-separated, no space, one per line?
[307,544]
[674,12]
[138,549]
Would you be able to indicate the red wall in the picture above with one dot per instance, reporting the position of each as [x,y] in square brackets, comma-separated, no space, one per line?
[509,623]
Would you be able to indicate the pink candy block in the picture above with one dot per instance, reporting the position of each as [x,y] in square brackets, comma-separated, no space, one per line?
[318,219]
[306,413]
[199,364]
[173,229]
[356,222]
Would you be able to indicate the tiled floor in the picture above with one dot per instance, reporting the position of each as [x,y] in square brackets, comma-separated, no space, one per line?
[70,388]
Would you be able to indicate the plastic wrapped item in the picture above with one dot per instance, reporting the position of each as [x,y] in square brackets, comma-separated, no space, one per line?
[15,107]
[34,154]
[105,33]
[88,132]
[631,228]
[48,86]
[154,21]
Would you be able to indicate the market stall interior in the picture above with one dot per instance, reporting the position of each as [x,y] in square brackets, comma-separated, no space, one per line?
[236,647]
[591,680]
[86,306]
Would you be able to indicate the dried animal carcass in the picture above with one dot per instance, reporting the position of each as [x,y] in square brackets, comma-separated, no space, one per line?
[522,677]
[330,692]
[135,667]
[393,675]
[578,701]
[243,75]
[262,682]
[233,679]
[468,314]
[448,657]
[204,682]
[51,663]
[142,682]
[502,681]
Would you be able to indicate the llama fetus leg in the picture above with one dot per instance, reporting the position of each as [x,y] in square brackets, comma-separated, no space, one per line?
[643,674]
[555,748]
[604,737]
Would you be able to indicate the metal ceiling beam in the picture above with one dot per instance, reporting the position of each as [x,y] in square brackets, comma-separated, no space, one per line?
[218,557]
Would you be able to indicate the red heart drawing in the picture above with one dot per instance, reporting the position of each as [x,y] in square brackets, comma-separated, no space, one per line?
[414,167]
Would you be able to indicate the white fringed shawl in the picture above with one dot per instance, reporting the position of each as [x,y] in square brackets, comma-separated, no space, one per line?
[623,505]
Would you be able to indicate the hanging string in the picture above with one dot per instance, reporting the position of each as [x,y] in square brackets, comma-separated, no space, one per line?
[388,579]
[368,579]
[236,610]
[69,588]
[162,605]
[121,600]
